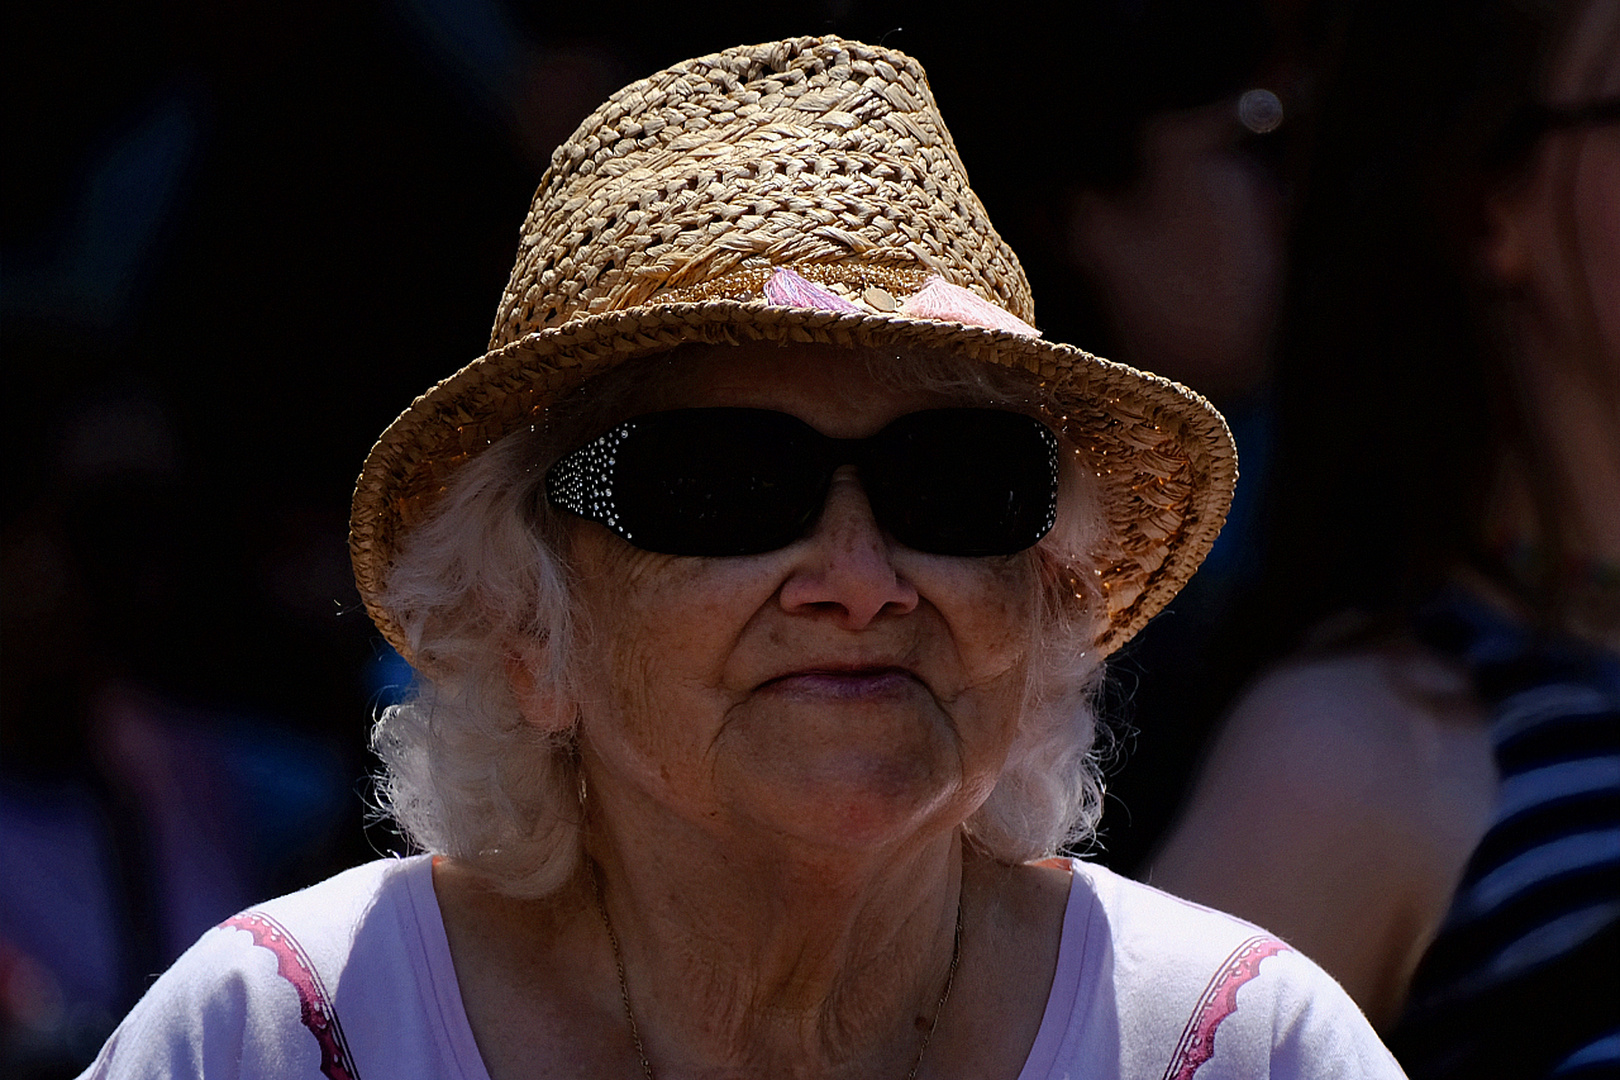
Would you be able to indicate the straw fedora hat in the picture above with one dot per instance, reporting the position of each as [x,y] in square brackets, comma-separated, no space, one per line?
[796,191]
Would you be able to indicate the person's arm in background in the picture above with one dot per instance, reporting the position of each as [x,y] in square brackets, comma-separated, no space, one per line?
[1337,809]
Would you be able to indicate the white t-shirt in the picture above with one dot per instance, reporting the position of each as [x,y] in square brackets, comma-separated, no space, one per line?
[351,979]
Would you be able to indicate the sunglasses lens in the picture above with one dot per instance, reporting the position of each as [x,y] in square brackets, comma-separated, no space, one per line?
[718,481]
[964,481]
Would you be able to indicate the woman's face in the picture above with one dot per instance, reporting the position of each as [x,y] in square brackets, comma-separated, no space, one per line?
[843,691]
[1189,257]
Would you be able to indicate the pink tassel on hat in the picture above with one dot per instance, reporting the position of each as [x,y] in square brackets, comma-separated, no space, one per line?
[787,289]
[939,299]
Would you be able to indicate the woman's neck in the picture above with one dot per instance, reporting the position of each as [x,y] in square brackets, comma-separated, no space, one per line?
[783,963]
[755,980]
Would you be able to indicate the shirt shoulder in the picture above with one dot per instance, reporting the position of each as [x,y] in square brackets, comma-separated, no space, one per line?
[337,980]
[1164,988]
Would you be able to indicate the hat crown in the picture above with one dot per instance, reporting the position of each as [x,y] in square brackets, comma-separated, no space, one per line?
[823,155]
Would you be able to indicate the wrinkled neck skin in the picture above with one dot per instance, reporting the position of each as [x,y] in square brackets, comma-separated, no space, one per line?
[743,960]
[754,956]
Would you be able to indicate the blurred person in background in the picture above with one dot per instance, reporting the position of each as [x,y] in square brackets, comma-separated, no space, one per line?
[1182,252]
[1157,205]
[1425,796]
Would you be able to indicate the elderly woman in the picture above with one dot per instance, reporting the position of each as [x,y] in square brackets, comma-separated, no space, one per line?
[757,580]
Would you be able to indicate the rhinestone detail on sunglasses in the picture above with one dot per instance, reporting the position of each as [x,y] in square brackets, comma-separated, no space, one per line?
[582,482]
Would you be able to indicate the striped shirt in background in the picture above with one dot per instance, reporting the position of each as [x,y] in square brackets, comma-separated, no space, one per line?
[1524,977]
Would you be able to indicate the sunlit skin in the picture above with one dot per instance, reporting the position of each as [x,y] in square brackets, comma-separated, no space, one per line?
[778,755]
[841,693]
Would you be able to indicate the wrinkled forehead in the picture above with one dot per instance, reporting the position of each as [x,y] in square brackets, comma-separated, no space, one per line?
[845,393]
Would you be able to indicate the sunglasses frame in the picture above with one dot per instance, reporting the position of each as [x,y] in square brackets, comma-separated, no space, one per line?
[586,482]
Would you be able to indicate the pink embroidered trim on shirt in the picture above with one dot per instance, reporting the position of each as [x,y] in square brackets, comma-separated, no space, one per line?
[1219,1001]
[314,1006]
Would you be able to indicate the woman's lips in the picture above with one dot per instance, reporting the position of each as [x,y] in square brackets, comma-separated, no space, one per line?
[850,684]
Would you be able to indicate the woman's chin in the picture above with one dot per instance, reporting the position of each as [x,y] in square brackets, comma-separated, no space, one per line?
[848,800]
[864,765]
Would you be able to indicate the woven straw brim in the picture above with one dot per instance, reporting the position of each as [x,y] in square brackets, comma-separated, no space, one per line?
[1163,456]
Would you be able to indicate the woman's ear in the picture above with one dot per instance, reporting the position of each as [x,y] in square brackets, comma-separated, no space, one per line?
[539,700]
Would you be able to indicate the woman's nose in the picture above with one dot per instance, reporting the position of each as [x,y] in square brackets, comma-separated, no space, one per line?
[846,566]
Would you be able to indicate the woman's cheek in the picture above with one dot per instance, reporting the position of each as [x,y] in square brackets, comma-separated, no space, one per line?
[990,606]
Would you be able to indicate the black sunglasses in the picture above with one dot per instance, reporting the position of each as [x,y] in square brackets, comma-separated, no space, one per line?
[745,481]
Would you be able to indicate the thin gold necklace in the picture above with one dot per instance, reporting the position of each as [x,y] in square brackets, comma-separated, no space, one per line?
[630,1015]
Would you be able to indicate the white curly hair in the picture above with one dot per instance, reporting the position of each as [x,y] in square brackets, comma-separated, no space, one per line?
[465,775]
